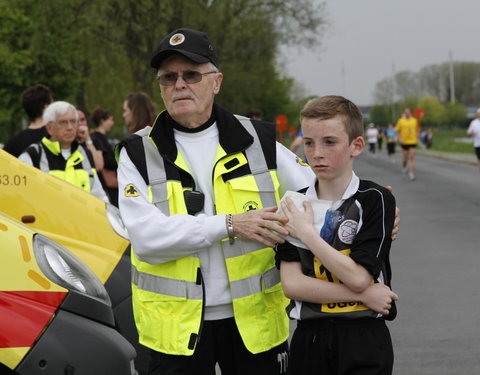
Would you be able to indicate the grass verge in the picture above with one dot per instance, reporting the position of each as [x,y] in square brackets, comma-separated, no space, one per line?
[448,140]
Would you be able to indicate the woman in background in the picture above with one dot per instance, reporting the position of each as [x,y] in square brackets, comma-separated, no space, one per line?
[102,119]
[138,111]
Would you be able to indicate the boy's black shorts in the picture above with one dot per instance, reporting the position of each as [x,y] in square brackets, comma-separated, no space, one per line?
[339,347]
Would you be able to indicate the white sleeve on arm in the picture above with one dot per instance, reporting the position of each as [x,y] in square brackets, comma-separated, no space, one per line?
[97,189]
[292,174]
[157,238]
[25,157]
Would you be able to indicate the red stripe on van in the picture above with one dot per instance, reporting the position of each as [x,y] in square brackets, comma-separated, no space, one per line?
[24,315]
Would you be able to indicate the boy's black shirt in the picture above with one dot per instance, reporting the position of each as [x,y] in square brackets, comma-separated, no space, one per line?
[362,229]
[20,142]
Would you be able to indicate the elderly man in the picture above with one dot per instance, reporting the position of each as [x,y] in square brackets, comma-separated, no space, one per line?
[197,193]
[60,154]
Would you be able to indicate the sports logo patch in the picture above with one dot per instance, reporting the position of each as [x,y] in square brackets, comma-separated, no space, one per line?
[347,231]
[177,39]
[131,191]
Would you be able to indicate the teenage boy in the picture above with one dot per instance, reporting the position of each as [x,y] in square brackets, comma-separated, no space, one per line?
[34,100]
[328,278]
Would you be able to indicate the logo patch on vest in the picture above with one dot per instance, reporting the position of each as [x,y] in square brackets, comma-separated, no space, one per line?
[131,191]
[250,205]
[301,162]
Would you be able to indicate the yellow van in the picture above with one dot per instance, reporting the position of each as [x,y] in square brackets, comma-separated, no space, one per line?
[56,316]
[80,222]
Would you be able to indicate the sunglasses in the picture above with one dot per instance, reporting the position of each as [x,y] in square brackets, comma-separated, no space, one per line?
[189,76]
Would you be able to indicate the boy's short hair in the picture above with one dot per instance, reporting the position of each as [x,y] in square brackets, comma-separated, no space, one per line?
[34,100]
[330,106]
[99,115]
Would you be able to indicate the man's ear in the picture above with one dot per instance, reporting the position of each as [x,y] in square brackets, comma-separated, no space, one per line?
[217,83]
[49,127]
[357,146]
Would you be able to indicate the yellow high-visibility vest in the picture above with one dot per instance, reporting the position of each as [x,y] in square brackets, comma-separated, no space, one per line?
[168,297]
[76,170]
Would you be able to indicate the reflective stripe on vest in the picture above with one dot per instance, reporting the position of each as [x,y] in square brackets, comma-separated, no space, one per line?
[184,289]
[166,286]
[258,166]
[156,175]
[254,284]
[43,163]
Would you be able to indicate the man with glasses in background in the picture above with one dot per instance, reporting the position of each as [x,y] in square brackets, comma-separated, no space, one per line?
[198,193]
[60,155]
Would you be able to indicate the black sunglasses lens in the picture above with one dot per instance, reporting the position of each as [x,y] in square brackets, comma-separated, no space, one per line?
[168,79]
[189,76]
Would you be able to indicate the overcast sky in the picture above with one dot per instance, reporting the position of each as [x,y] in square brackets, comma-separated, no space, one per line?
[373,38]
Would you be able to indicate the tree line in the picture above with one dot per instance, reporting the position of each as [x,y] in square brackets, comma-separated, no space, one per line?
[433,80]
[95,52]
[430,89]
[435,113]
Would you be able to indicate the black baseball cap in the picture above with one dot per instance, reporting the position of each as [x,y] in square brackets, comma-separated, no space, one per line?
[192,44]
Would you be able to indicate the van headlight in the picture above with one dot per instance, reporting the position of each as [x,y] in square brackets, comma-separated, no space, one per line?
[116,222]
[65,269]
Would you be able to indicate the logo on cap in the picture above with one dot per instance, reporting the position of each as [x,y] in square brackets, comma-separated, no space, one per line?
[177,39]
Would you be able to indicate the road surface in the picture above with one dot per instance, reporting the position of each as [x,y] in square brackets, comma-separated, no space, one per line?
[436,264]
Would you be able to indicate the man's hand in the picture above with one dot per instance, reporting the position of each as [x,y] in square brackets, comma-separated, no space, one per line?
[378,297]
[83,134]
[264,226]
[397,219]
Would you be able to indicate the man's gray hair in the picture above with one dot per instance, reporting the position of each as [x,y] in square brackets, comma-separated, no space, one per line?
[57,108]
